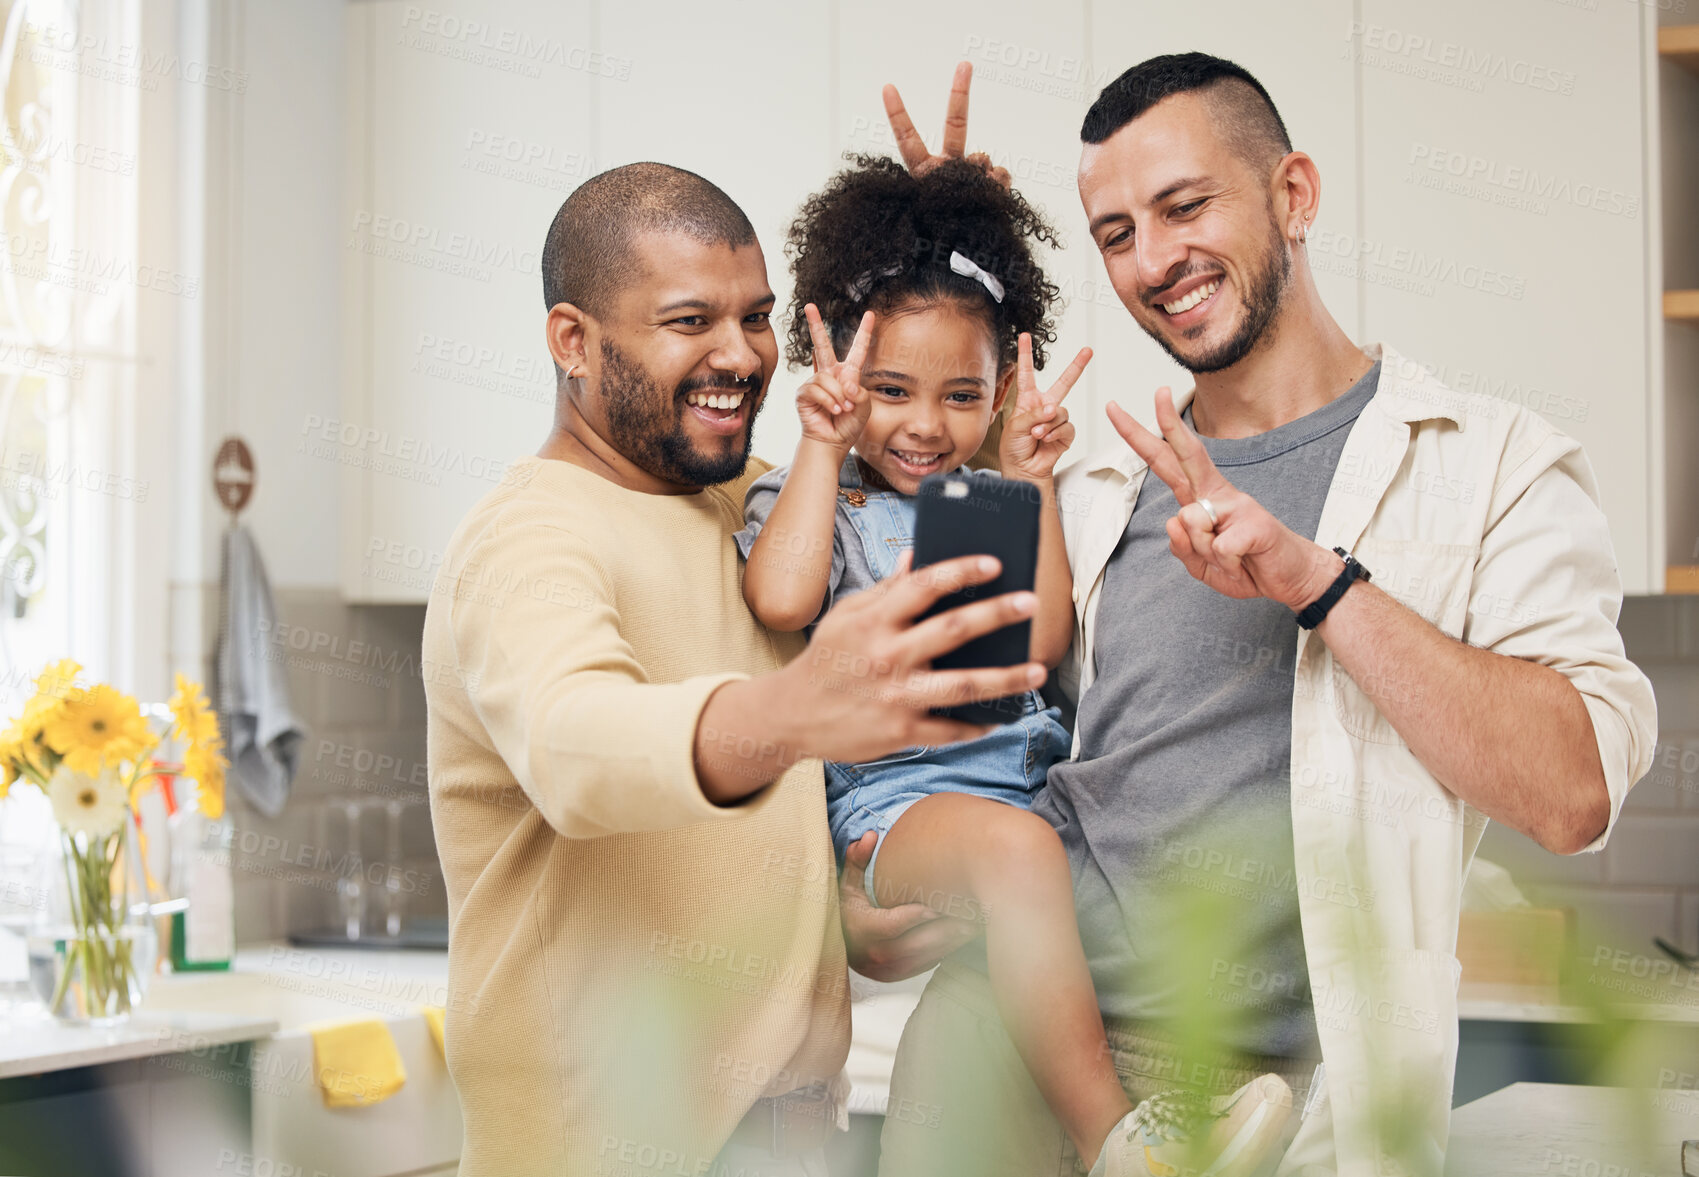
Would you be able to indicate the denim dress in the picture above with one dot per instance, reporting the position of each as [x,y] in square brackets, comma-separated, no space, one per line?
[872,529]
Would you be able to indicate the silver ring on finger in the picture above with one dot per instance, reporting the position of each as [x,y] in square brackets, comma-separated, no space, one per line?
[1209,509]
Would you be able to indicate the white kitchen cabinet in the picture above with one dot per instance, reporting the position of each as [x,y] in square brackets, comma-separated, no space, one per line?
[1526,276]
[744,98]
[1505,237]
[469,125]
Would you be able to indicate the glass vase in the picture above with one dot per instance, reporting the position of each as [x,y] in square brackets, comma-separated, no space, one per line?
[93,952]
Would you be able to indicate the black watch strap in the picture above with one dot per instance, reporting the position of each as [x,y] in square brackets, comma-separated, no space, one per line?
[1313,614]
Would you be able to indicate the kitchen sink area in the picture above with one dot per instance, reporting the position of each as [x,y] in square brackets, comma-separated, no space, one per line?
[414,1131]
[215,1073]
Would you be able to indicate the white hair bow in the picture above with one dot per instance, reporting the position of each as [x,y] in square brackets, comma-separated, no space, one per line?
[967,268]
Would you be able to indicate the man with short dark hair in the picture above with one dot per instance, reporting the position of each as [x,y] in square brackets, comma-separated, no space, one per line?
[1282,768]
[646,967]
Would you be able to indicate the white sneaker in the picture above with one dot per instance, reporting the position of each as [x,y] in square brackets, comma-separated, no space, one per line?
[1185,1134]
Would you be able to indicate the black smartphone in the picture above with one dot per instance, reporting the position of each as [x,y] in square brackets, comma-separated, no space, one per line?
[976,514]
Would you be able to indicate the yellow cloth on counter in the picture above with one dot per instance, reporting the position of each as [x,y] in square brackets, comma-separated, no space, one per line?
[356,1063]
[433,1019]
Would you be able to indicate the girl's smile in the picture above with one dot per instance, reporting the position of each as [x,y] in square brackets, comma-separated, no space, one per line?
[931,375]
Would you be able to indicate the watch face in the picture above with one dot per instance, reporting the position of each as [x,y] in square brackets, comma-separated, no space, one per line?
[1352,565]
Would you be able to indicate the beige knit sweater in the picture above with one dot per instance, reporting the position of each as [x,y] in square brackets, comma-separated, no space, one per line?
[630,965]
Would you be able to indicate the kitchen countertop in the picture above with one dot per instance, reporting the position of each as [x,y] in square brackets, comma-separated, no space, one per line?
[34,1044]
[1544,1128]
[1520,1003]
[879,1013]
[324,960]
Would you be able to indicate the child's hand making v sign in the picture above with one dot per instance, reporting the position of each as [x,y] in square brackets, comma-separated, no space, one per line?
[790,567]
[1038,433]
[833,405]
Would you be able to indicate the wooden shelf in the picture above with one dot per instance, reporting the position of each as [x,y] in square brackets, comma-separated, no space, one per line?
[1682,305]
[1680,44]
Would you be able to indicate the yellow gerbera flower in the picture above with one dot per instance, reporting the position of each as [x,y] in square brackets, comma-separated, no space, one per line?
[205,765]
[97,726]
[195,720]
[56,680]
[21,745]
[11,757]
[21,741]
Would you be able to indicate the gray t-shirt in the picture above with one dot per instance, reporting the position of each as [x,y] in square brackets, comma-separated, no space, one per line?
[1177,812]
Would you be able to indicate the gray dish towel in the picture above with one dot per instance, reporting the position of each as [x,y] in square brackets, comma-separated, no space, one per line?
[261,731]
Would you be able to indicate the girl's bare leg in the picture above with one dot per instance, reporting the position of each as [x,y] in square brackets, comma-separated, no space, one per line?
[972,857]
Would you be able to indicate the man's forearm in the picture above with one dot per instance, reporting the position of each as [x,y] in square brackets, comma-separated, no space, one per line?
[1512,738]
[743,741]
[864,687]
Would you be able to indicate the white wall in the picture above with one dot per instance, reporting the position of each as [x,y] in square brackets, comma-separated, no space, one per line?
[762,98]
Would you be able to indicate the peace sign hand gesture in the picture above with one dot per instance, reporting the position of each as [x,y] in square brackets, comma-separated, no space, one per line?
[833,405]
[1039,432]
[1244,551]
[913,148]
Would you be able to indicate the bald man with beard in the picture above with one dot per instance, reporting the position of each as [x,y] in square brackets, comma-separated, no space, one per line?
[646,966]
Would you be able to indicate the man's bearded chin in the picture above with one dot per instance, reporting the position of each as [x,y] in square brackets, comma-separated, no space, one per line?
[647,426]
[1262,305]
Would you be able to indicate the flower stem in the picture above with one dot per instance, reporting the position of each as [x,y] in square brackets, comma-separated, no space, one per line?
[98,916]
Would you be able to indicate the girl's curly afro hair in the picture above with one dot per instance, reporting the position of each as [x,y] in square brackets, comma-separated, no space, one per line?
[876,238]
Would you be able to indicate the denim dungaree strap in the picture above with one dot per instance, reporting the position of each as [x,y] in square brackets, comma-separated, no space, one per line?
[884,520]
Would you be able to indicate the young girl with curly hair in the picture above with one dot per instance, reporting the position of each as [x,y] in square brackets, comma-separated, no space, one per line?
[930,289]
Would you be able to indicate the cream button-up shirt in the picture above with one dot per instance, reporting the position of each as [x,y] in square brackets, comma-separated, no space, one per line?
[1485,520]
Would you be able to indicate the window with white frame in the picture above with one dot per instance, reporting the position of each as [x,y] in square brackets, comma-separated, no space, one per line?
[69,97]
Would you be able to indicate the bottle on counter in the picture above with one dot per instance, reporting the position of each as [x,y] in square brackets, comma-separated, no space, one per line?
[203,937]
